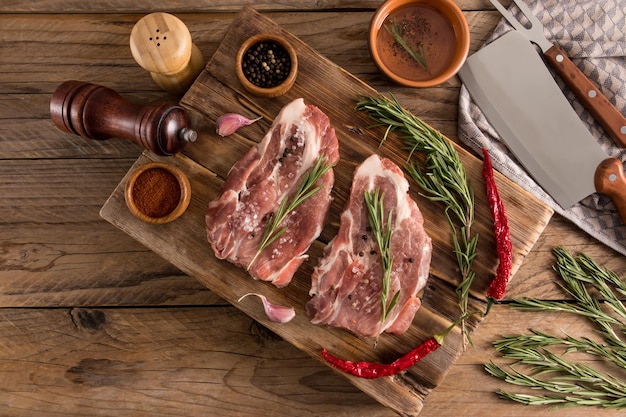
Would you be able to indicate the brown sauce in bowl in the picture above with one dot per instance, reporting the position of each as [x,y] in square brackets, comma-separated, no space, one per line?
[418,23]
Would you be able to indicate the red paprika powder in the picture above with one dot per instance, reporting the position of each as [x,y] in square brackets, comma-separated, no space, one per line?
[156,192]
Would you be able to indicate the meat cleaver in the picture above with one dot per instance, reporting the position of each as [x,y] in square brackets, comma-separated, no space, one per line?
[611,119]
[517,94]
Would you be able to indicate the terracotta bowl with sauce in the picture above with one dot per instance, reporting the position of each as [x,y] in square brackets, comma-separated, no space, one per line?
[157,193]
[419,43]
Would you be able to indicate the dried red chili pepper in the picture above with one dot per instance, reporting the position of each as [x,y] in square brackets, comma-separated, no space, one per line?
[371,370]
[497,287]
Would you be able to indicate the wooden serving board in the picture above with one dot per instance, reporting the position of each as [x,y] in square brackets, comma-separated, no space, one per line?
[207,161]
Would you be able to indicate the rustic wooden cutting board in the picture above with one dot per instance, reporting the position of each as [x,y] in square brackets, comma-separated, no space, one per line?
[207,161]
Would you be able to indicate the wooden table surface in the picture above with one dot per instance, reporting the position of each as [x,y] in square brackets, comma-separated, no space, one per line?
[93,323]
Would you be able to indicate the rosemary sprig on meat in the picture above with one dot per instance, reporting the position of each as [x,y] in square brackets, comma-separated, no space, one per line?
[540,360]
[382,231]
[306,190]
[396,31]
[442,177]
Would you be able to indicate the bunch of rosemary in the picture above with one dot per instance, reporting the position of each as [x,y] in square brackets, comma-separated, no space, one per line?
[543,357]
[443,178]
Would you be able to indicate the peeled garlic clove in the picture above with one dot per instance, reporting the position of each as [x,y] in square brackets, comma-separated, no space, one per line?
[275,312]
[229,123]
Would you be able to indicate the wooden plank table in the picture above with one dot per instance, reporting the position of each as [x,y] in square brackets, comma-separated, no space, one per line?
[94,323]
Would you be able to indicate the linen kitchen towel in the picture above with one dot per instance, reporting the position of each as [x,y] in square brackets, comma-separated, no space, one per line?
[593,34]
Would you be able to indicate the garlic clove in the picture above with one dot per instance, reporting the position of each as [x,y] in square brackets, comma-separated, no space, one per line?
[275,312]
[229,123]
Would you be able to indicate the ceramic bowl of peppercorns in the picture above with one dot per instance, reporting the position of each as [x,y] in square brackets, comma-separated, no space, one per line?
[267,65]
[157,193]
[419,43]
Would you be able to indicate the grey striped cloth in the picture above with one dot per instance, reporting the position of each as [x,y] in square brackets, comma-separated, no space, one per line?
[593,34]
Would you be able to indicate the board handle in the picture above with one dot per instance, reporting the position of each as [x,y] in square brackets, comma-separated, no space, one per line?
[611,119]
[610,180]
[96,112]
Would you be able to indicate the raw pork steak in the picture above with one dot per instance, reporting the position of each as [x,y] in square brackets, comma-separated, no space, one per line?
[346,284]
[256,185]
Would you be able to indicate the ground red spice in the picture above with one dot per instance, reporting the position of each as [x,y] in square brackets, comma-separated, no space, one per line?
[156,192]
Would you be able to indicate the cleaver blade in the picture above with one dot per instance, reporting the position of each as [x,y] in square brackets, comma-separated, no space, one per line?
[611,119]
[517,94]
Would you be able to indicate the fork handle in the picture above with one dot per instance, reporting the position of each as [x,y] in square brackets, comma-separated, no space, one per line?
[613,122]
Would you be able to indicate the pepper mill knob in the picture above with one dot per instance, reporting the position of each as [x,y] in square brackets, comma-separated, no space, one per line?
[162,45]
[96,112]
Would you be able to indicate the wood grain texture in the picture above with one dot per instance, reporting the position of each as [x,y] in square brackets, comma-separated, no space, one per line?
[182,6]
[184,361]
[161,349]
[331,88]
[155,362]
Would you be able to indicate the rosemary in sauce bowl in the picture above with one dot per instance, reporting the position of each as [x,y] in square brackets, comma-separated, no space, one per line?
[419,43]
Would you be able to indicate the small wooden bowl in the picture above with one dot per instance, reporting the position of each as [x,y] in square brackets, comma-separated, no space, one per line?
[269,92]
[442,27]
[160,211]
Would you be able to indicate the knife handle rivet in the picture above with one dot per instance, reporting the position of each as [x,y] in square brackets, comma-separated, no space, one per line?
[612,177]
[592,94]
[559,58]
[622,130]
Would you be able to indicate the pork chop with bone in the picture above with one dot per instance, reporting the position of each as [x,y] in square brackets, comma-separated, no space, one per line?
[346,285]
[257,184]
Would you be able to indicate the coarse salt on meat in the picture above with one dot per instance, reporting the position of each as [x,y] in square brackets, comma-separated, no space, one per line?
[255,186]
[346,284]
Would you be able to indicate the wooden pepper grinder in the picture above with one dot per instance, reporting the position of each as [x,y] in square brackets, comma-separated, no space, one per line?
[161,44]
[96,112]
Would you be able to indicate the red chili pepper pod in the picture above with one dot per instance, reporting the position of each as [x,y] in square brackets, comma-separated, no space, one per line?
[371,370]
[501,229]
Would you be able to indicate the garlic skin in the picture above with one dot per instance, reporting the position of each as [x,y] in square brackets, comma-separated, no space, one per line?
[229,123]
[275,312]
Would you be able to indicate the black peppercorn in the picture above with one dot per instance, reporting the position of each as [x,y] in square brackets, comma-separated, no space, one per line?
[266,64]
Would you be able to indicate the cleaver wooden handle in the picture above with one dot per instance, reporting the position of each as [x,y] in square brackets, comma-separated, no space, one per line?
[611,119]
[610,180]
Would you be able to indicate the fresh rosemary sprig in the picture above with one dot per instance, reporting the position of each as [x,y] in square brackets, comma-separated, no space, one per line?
[443,178]
[538,339]
[541,356]
[306,190]
[398,35]
[382,231]
[576,272]
[589,387]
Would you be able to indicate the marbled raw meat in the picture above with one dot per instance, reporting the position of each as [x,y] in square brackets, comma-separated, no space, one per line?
[260,180]
[346,284]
